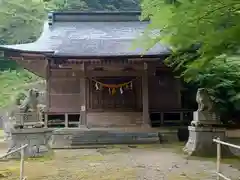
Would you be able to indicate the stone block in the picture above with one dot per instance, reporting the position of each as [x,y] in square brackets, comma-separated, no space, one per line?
[205,118]
[200,141]
[37,140]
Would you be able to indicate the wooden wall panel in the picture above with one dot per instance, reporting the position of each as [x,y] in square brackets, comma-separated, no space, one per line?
[65,103]
[65,93]
[114,119]
[37,66]
[65,86]
[65,73]
[164,92]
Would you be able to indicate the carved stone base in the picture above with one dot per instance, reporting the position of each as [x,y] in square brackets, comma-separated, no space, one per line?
[203,118]
[200,141]
[145,125]
[37,140]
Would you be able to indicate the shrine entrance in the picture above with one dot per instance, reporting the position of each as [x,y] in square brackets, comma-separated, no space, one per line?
[114,93]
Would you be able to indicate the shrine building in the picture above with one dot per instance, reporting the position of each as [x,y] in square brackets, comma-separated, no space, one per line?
[94,76]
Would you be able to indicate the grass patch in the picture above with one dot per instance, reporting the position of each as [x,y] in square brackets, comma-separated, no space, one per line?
[5,173]
[113,150]
[233,161]
[1,133]
[47,157]
[14,82]
[92,158]
[187,176]
[108,174]
[175,145]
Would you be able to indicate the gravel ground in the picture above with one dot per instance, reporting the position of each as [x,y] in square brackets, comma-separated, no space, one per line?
[117,163]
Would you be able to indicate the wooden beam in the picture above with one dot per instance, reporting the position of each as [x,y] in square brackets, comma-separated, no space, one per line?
[145,59]
[32,55]
[115,67]
[113,73]
[16,58]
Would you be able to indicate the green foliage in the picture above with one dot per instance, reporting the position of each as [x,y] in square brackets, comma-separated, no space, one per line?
[20,21]
[214,26]
[222,78]
[92,5]
[12,83]
[213,23]
[7,64]
[61,5]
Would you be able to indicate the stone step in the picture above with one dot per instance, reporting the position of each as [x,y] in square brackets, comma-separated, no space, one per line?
[114,138]
[116,134]
[77,139]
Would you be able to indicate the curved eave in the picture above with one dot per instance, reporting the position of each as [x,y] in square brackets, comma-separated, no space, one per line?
[12,51]
[19,51]
[108,56]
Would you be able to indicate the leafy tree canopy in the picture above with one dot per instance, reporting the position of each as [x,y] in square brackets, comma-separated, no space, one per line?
[93,5]
[20,20]
[213,27]
[213,24]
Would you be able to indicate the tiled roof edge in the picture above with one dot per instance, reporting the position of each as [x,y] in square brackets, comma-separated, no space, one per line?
[97,16]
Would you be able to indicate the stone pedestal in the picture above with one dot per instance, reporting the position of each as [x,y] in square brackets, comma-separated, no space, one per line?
[37,140]
[200,141]
[203,118]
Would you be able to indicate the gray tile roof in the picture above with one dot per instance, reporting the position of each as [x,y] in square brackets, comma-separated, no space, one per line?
[81,38]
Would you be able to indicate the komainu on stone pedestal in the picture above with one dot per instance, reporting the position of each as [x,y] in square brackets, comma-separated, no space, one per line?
[204,101]
[29,111]
[205,115]
[204,128]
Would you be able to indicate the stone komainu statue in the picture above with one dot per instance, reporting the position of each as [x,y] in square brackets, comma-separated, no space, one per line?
[29,110]
[204,101]
[30,103]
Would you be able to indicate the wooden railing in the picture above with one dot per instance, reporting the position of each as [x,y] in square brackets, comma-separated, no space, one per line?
[219,143]
[21,149]
[180,116]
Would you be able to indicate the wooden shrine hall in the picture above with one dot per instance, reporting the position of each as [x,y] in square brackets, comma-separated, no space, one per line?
[94,76]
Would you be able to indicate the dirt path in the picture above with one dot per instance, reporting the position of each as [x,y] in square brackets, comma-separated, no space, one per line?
[118,163]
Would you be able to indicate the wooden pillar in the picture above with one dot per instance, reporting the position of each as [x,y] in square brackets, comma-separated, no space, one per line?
[48,74]
[66,120]
[83,84]
[45,120]
[179,92]
[145,99]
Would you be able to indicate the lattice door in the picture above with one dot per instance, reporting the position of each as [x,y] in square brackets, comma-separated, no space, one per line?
[103,99]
